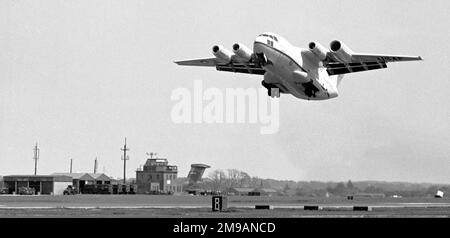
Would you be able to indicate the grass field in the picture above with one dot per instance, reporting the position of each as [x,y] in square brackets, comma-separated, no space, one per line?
[200,206]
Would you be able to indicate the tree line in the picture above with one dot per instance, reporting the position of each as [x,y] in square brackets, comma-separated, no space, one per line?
[222,180]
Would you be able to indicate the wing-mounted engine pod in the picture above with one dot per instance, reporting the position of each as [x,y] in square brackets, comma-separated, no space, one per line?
[222,53]
[319,50]
[242,51]
[341,51]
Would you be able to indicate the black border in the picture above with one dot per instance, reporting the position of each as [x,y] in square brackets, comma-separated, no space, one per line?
[289,227]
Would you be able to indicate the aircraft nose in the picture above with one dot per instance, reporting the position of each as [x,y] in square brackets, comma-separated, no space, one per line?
[257,47]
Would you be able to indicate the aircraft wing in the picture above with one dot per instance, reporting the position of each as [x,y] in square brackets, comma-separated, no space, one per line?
[383,58]
[246,68]
[364,62]
[209,62]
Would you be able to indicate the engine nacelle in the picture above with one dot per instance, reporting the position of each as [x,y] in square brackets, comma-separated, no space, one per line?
[242,51]
[341,51]
[319,50]
[222,53]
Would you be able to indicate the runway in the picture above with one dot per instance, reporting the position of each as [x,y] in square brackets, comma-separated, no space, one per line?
[200,206]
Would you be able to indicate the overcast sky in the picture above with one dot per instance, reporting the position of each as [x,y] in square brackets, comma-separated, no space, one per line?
[79,76]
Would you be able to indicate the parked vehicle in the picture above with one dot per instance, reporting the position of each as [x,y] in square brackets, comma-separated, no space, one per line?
[70,190]
[97,189]
[4,191]
[159,192]
[26,191]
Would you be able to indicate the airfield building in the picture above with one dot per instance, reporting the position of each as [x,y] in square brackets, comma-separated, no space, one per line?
[79,180]
[41,184]
[240,191]
[157,176]
[264,192]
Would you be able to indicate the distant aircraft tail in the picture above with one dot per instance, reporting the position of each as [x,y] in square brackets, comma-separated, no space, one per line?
[196,173]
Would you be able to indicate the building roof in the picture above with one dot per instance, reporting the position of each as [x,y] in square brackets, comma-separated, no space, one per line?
[243,190]
[102,177]
[86,176]
[159,161]
[79,176]
[54,178]
[265,190]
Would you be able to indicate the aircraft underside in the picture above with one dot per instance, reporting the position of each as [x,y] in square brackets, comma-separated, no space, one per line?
[281,78]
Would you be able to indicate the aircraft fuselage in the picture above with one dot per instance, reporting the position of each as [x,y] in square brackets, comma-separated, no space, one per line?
[296,69]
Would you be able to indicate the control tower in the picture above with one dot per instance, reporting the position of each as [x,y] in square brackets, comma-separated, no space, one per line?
[157,175]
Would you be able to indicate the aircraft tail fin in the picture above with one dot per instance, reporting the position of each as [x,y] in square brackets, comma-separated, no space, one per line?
[196,172]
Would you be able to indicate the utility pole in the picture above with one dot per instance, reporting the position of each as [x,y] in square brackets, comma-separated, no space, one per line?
[125,158]
[95,165]
[71,165]
[36,157]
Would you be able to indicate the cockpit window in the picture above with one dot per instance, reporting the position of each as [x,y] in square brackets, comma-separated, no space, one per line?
[271,37]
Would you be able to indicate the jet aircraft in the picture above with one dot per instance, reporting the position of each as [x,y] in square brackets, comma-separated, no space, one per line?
[312,74]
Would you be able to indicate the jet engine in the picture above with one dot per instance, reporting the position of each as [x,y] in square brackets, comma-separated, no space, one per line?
[319,50]
[242,51]
[222,53]
[341,51]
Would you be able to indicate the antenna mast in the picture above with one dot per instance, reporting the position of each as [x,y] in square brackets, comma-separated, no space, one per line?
[95,165]
[151,154]
[125,158]
[35,158]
